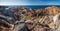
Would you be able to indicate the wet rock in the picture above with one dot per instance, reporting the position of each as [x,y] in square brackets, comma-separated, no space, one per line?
[10,20]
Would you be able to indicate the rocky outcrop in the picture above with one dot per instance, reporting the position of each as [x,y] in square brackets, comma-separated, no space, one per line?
[51,10]
[42,15]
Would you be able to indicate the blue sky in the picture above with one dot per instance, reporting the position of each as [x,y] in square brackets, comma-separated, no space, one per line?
[29,2]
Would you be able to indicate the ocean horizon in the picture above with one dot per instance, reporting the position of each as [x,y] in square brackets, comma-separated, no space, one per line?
[30,6]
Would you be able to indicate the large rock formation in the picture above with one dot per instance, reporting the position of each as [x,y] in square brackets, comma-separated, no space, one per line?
[51,10]
[56,20]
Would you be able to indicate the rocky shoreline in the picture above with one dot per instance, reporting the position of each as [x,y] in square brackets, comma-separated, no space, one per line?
[25,19]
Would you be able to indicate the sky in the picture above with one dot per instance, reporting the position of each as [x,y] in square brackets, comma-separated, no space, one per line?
[29,2]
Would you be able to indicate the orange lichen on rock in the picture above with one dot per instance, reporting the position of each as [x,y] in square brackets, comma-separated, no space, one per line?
[51,10]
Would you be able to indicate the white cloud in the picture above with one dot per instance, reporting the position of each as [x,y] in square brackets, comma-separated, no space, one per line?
[53,3]
[14,2]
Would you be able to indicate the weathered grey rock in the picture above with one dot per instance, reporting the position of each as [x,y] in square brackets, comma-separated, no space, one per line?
[56,19]
[19,26]
[8,19]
